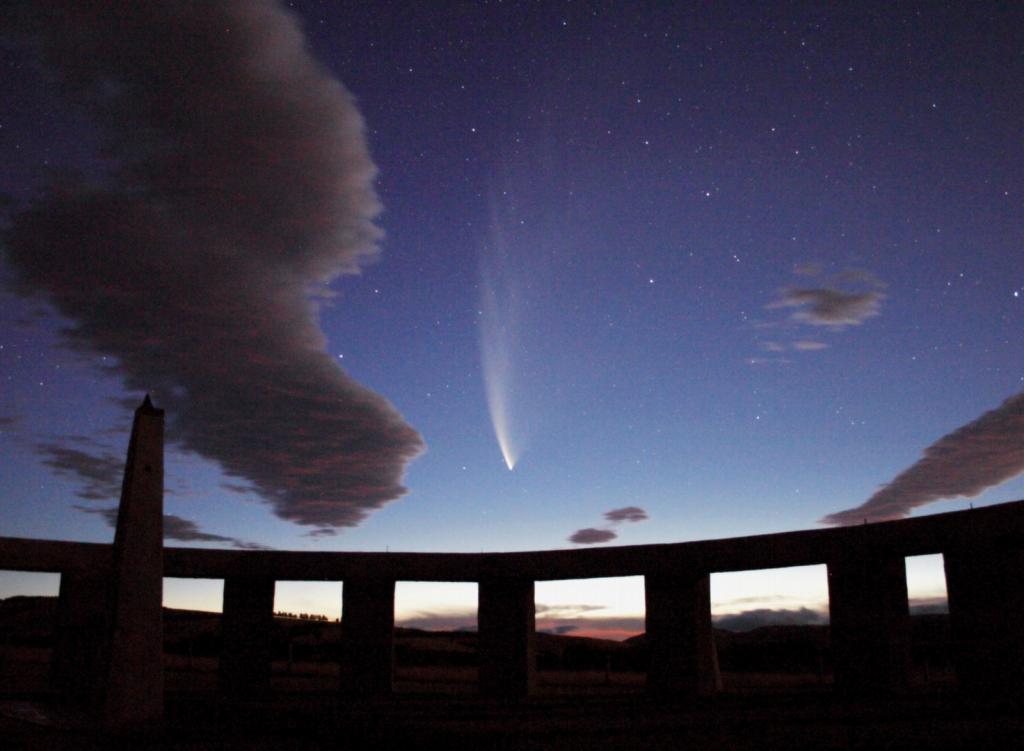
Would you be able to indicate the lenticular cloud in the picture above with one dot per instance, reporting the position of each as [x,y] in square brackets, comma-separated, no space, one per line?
[974,457]
[238,184]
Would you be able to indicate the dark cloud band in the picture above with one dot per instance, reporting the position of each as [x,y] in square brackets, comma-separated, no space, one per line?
[964,463]
[239,184]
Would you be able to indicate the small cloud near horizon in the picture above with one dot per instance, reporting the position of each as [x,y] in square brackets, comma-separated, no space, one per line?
[592,536]
[626,514]
[456,620]
[748,620]
[565,611]
[595,536]
[983,453]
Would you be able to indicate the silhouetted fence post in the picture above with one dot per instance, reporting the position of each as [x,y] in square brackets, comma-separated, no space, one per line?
[869,621]
[506,626]
[985,588]
[247,631]
[680,641]
[367,636]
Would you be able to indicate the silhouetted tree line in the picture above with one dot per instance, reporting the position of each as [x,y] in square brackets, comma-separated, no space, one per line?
[304,616]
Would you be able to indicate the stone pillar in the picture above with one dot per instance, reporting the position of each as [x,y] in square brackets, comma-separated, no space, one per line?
[133,690]
[680,642]
[367,636]
[80,635]
[247,631]
[985,586]
[506,625]
[869,621]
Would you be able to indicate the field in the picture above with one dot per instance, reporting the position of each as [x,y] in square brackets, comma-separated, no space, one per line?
[590,693]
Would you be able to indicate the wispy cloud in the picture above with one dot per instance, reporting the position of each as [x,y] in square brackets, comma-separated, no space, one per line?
[321,532]
[177,528]
[98,475]
[614,628]
[238,186]
[567,610]
[808,345]
[626,514]
[831,307]
[844,299]
[748,620]
[456,620]
[555,619]
[977,456]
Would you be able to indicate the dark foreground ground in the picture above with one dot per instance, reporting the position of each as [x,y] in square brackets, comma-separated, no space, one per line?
[777,695]
[802,720]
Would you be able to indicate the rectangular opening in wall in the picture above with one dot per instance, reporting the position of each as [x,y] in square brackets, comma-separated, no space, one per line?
[929,620]
[771,627]
[192,609]
[435,637]
[28,625]
[307,635]
[587,635]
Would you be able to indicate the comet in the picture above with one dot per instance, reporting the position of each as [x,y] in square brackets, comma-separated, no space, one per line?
[498,334]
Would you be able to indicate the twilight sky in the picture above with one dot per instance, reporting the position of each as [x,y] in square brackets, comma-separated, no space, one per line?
[690,273]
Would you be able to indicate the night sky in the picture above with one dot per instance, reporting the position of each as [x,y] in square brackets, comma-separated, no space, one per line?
[690,272]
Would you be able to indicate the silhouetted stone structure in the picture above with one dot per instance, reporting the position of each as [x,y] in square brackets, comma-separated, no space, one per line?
[247,631]
[985,586]
[505,621]
[679,637]
[870,621]
[367,636]
[108,651]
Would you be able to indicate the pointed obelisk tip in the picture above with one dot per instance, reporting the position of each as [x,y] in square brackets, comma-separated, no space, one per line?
[147,408]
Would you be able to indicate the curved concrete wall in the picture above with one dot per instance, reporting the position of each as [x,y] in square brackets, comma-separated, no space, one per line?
[1003,524]
[983,550]
[108,651]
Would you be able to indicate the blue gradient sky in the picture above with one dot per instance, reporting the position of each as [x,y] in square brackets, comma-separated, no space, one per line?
[653,184]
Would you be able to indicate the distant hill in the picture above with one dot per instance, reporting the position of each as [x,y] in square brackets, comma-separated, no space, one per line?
[29,622]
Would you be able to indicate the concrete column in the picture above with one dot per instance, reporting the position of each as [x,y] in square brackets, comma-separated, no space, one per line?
[682,656]
[133,690]
[247,631]
[367,636]
[985,586]
[81,631]
[869,621]
[506,625]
